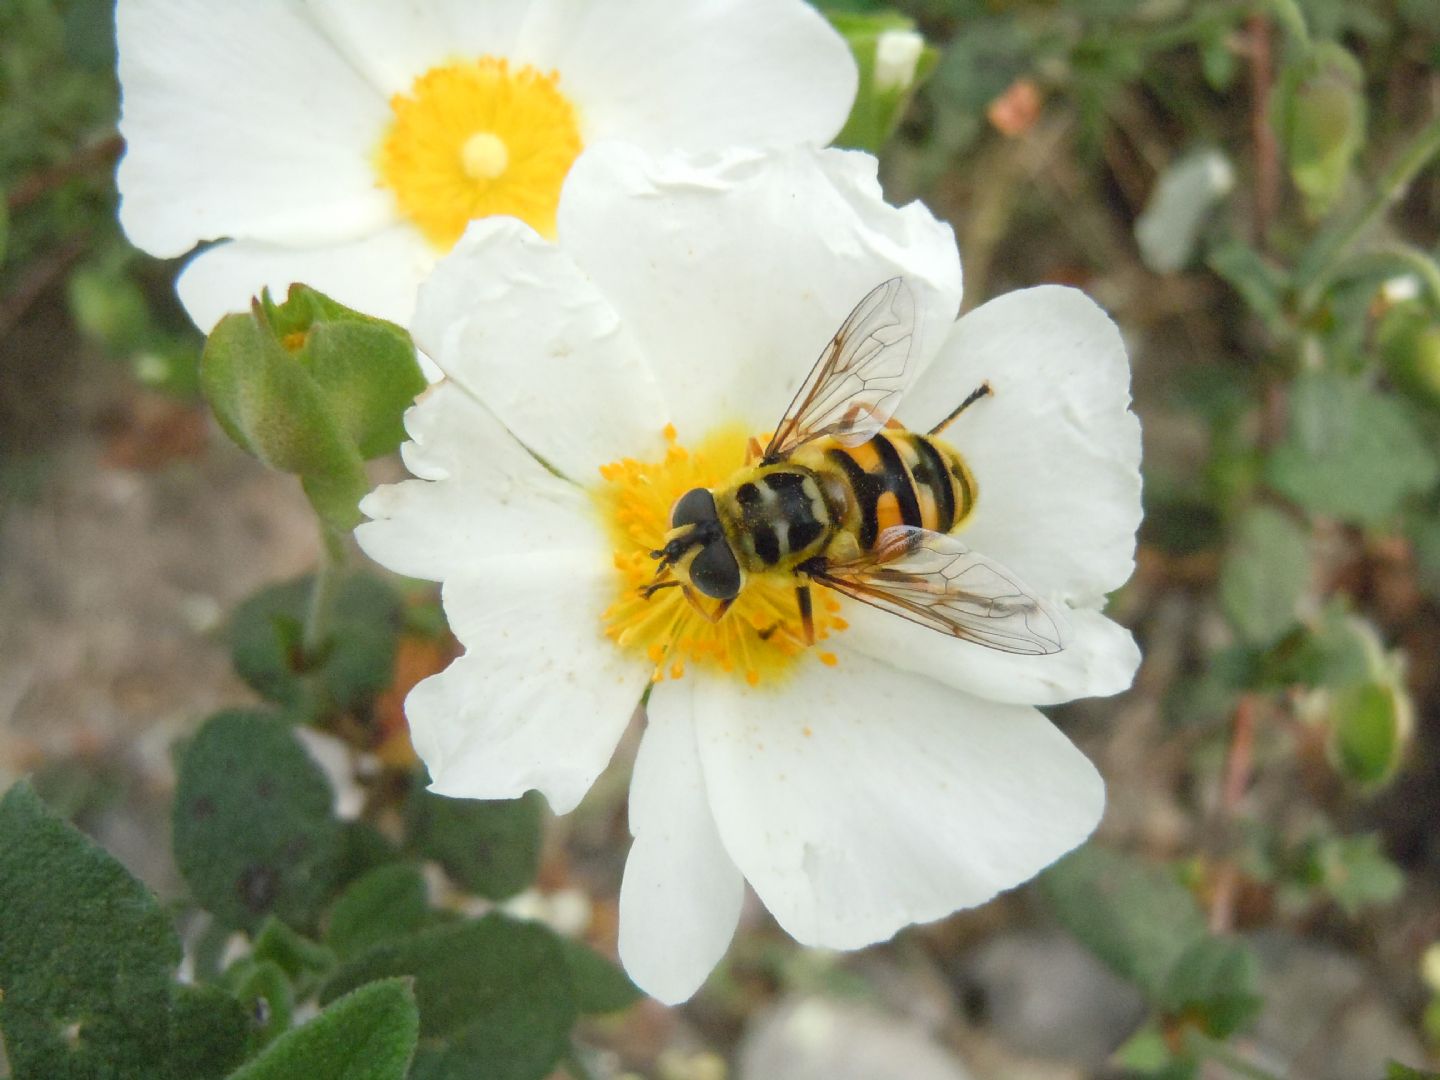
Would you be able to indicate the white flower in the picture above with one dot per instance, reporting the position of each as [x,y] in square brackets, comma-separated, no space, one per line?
[346,143]
[889,775]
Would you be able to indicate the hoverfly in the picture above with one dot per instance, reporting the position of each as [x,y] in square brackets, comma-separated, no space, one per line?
[846,497]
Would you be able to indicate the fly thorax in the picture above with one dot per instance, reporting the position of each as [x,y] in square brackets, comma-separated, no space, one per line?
[778,517]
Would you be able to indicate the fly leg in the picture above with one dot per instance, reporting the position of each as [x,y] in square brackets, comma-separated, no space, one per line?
[710,616]
[807,611]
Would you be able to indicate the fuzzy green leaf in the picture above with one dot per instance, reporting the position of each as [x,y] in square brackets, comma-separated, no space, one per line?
[254,833]
[265,993]
[367,1035]
[386,903]
[1215,982]
[1265,573]
[490,847]
[85,951]
[496,1001]
[600,986]
[1350,451]
[1135,917]
[355,661]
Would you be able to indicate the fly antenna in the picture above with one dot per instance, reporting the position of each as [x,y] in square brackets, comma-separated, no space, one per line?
[983,390]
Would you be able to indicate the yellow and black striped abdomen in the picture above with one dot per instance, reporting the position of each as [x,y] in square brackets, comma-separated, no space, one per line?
[896,478]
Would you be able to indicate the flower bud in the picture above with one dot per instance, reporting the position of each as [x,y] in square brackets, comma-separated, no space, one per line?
[893,60]
[312,388]
[1409,342]
[1319,110]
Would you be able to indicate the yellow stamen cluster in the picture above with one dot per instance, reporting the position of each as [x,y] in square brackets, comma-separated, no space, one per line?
[760,637]
[475,138]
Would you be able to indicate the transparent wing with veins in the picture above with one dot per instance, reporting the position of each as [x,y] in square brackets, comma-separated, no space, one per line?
[855,385]
[933,579]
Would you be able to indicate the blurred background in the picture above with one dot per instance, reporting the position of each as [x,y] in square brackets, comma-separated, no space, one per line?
[1262,220]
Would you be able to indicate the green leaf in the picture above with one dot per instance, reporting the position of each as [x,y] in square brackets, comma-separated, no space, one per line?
[1135,917]
[1264,575]
[1396,1071]
[1424,534]
[386,903]
[496,1001]
[600,986]
[491,848]
[367,1035]
[265,993]
[86,963]
[254,833]
[1144,924]
[109,307]
[1259,282]
[305,963]
[1215,982]
[212,1033]
[893,59]
[1350,451]
[271,405]
[1355,872]
[1370,722]
[355,662]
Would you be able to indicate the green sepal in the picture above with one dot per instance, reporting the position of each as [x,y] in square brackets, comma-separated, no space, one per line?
[254,830]
[367,1035]
[886,85]
[496,999]
[273,408]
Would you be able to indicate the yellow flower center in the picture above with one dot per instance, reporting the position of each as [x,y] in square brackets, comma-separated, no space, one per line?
[761,636]
[475,138]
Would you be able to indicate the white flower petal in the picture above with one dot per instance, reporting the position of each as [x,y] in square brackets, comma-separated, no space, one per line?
[704,74]
[377,274]
[511,318]
[241,120]
[681,895]
[734,272]
[1100,658]
[393,43]
[859,799]
[541,697]
[1055,449]
[481,495]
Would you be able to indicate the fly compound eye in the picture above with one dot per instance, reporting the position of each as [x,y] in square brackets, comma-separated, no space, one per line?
[695,506]
[715,572]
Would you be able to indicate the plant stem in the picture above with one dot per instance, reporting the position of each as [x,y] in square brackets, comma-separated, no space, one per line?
[1317,268]
[1202,1045]
[322,597]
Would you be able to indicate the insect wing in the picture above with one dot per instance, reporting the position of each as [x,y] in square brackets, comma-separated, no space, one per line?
[856,383]
[933,579]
